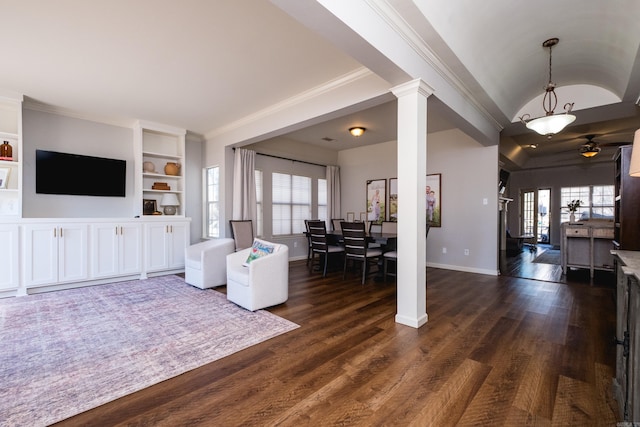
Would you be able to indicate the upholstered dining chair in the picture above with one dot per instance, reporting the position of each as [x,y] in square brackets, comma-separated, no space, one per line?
[389,227]
[335,223]
[392,254]
[242,233]
[320,244]
[356,247]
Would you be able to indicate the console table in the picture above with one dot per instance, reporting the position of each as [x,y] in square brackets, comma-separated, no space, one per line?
[587,245]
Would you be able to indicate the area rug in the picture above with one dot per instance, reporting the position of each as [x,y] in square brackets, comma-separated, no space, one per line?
[65,352]
[550,256]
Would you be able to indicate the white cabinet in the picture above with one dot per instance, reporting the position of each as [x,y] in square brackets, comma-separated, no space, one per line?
[116,249]
[165,242]
[11,167]
[54,253]
[156,146]
[9,254]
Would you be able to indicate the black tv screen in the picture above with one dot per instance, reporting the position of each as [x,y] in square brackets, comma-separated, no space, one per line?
[78,175]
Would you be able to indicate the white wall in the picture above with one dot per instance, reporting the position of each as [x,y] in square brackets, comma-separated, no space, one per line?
[554,178]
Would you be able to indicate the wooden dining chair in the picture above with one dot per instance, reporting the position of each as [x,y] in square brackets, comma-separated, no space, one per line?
[389,227]
[356,247]
[335,223]
[321,245]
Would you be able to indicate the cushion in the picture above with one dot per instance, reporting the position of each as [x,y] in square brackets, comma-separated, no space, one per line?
[259,249]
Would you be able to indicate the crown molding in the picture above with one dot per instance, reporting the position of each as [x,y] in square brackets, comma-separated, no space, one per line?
[398,24]
[330,86]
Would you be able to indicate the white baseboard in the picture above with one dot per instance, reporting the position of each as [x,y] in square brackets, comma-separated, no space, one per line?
[465,269]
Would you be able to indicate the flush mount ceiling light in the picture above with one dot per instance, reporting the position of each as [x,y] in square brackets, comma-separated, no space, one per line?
[550,123]
[356,131]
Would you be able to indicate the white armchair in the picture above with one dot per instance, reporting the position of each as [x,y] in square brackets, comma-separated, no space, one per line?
[262,283]
[206,263]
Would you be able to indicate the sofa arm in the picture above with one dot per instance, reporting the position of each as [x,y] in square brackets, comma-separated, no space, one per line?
[273,268]
[220,248]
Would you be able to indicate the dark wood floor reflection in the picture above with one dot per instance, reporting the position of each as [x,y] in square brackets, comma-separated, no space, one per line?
[496,350]
[522,265]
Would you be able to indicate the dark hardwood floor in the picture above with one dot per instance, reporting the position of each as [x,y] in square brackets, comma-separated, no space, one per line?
[495,351]
[523,265]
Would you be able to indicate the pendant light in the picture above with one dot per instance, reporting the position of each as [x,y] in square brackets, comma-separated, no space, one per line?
[550,123]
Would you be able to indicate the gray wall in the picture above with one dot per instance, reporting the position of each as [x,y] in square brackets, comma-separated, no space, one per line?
[54,132]
[48,131]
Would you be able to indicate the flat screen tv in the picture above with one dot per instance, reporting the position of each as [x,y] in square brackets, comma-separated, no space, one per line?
[78,175]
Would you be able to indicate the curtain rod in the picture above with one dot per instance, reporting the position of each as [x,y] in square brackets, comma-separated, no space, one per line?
[285,158]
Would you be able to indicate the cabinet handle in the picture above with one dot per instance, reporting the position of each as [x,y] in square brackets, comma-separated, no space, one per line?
[116,230]
[171,228]
[55,232]
[121,231]
[60,232]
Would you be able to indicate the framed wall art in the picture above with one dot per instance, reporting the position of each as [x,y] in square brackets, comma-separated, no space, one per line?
[432,194]
[376,200]
[393,199]
[149,206]
[4,177]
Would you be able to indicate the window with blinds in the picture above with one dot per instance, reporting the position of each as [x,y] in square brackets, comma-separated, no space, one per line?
[291,203]
[212,202]
[597,201]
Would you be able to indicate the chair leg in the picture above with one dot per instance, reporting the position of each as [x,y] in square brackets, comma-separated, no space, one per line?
[344,269]
[326,259]
[364,270]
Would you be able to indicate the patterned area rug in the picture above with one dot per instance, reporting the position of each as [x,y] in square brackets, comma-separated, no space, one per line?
[69,351]
[550,256]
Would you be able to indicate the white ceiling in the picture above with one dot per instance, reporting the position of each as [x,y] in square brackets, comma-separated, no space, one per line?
[202,64]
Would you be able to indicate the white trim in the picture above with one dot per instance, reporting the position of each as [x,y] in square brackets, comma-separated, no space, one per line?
[344,80]
[414,323]
[395,21]
[464,269]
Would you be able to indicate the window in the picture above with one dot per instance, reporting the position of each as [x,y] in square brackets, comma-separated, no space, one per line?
[259,203]
[322,199]
[212,202]
[597,201]
[291,203]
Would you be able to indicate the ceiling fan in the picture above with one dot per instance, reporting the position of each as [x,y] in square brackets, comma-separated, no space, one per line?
[591,148]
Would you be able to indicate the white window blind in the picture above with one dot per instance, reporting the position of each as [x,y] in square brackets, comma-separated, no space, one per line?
[322,199]
[212,202]
[291,203]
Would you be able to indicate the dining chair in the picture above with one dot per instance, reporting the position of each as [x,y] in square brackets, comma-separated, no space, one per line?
[389,227]
[335,223]
[242,233]
[320,244]
[308,234]
[356,247]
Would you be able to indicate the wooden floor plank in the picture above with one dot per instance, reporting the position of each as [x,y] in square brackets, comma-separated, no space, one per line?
[496,351]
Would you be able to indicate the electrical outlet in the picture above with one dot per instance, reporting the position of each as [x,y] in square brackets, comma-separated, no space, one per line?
[444,250]
[466,252]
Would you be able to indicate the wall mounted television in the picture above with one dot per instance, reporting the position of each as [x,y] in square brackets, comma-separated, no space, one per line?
[79,175]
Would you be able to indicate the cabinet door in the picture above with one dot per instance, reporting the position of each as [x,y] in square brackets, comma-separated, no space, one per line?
[72,253]
[104,250]
[9,256]
[156,246]
[179,237]
[130,249]
[40,254]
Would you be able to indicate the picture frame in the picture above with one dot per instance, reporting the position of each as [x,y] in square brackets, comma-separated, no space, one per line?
[4,177]
[149,206]
[393,199]
[351,216]
[433,193]
[376,200]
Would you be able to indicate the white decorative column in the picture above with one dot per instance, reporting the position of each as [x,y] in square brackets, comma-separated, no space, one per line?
[412,176]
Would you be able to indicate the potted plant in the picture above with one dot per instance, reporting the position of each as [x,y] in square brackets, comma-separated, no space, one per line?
[573,207]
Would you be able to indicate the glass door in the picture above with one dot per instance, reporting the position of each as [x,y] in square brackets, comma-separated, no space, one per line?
[535,213]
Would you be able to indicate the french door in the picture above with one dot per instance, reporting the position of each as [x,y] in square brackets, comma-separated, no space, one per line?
[535,212]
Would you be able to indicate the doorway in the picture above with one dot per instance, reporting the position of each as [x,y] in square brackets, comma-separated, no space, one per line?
[535,214]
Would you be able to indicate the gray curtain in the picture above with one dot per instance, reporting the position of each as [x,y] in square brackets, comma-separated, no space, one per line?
[244,186]
[333,192]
